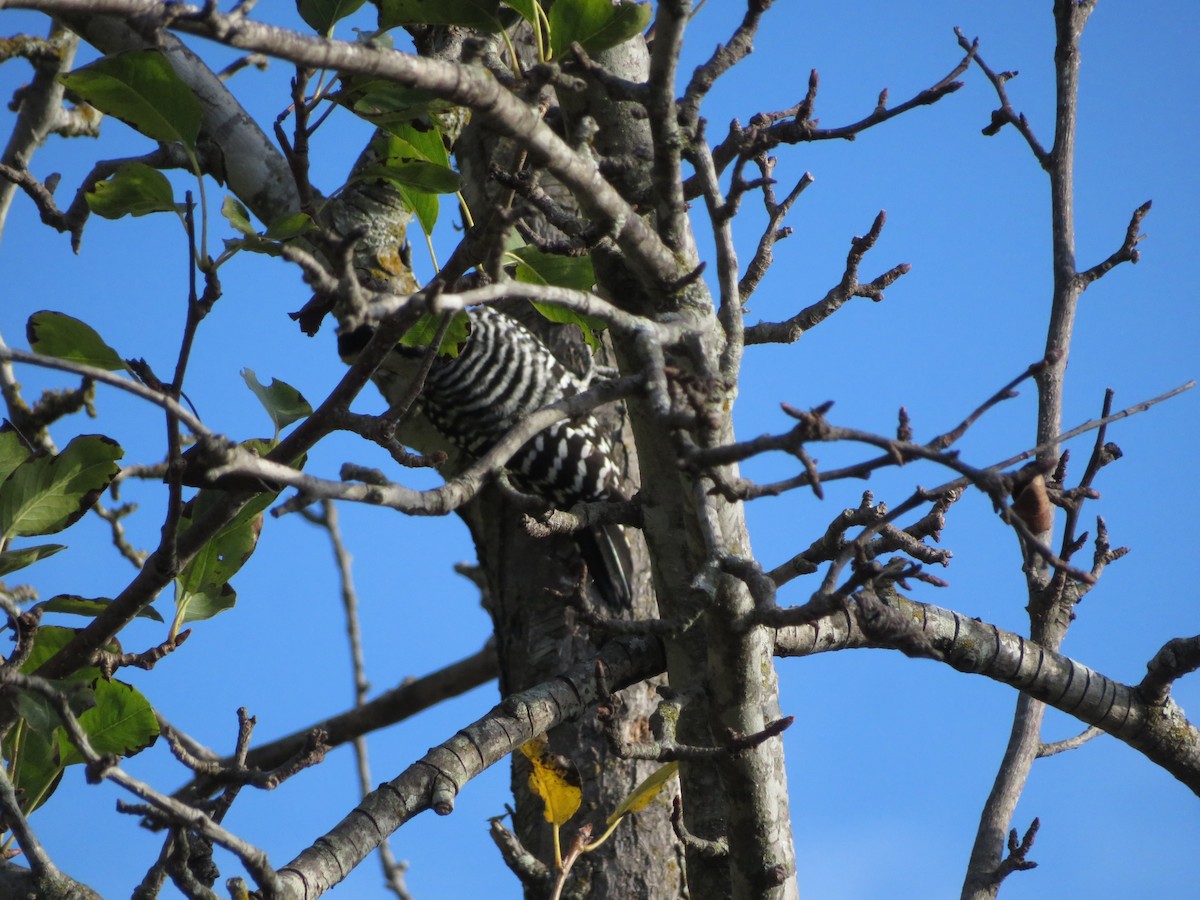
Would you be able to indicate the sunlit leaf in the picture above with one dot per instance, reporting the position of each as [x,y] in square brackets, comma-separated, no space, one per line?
[290,226]
[202,588]
[525,8]
[423,205]
[140,88]
[12,560]
[238,216]
[121,722]
[414,140]
[555,779]
[135,189]
[595,24]
[417,164]
[387,104]
[269,243]
[483,14]
[206,602]
[641,796]
[564,316]
[65,337]
[425,330]
[47,494]
[73,604]
[34,766]
[322,15]
[416,173]
[536,267]
[283,403]
[13,452]
[32,750]
[48,641]
[575,272]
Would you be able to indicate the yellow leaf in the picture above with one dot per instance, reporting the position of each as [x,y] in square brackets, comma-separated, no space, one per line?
[555,779]
[641,796]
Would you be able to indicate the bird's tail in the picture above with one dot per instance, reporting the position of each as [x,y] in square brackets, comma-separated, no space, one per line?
[606,552]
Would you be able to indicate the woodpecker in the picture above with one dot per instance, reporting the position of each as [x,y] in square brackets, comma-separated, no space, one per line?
[502,374]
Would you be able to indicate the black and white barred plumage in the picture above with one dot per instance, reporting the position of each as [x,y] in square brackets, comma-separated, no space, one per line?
[504,373]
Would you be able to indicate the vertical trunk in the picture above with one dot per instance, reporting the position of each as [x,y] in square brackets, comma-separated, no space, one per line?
[532,584]
[1050,598]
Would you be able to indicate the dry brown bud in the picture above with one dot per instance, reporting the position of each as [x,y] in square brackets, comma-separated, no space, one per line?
[1032,505]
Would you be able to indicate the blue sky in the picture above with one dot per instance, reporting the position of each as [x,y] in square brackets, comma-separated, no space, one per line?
[890,758]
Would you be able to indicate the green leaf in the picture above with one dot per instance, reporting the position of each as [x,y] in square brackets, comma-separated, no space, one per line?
[206,603]
[135,189]
[596,24]
[422,205]
[12,560]
[641,796]
[46,643]
[121,722]
[38,713]
[13,452]
[386,104]
[283,403]
[425,330]
[536,267]
[525,8]
[65,337]
[201,589]
[142,90]
[283,229]
[483,14]
[48,494]
[288,227]
[414,159]
[238,216]
[563,316]
[34,766]
[42,716]
[32,748]
[413,140]
[416,173]
[322,15]
[73,604]
[575,272]
[254,244]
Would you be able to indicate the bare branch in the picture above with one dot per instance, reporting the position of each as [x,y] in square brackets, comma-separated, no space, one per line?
[724,58]
[40,864]
[747,490]
[795,125]
[393,871]
[104,767]
[720,214]
[774,230]
[113,380]
[1162,733]
[1178,657]
[1072,743]
[392,706]
[790,330]
[1127,252]
[39,114]
[434,780]
[1005,115]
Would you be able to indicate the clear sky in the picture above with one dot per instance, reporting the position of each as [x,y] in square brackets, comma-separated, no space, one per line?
[890,759]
